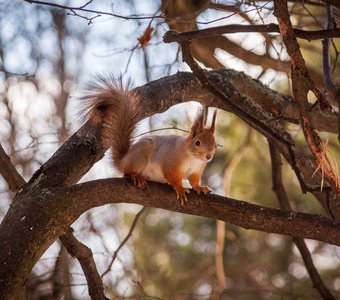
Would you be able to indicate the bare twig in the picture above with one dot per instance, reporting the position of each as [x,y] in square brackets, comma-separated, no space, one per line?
[174,127]
[83,8]
[98,13]
[23,75]
[115,254]
[13,178]
[172,36]
[280,192]
[85,258]
[89,19]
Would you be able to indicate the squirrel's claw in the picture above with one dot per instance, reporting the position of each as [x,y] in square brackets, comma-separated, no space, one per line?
[204,189]
[139,181]
[182,196]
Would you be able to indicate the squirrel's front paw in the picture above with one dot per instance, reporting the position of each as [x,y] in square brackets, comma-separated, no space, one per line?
[182,195]
[139,181]
[204,189]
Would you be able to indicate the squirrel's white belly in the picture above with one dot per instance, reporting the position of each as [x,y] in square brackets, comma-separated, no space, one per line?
[153,172]
[193,165]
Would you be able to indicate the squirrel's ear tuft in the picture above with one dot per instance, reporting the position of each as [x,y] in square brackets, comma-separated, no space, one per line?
[205,115]
[200,120]
[212,128]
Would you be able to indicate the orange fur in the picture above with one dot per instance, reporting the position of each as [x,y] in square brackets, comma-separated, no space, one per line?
[115,111]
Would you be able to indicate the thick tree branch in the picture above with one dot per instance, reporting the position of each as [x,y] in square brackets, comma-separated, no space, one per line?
[46,206]
[82,197]
[184,86]
[159,95]
[249,112]
[85,258]
[67,164]
[100,192]
[51,211]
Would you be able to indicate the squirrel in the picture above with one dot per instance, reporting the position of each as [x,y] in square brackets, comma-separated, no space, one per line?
[116,110]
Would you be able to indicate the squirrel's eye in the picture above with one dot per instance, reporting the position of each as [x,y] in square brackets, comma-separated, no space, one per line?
[198,143]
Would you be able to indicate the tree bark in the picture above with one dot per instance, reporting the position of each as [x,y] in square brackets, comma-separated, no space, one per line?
[50,202]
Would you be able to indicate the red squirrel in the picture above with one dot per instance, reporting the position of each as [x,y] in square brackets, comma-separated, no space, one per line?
[162,158]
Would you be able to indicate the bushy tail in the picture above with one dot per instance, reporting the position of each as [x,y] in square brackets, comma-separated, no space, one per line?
[115,111]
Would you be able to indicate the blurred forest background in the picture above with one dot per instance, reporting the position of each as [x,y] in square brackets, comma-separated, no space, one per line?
[47,54]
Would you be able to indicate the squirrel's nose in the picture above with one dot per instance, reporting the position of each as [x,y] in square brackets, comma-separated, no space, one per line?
[208,156]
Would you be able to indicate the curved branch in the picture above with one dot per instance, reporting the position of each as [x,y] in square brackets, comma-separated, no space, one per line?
[183,17]
[11,175]
[85,258]
[301,85]
[48,203]
[48,212]
[159,95]
[84,196]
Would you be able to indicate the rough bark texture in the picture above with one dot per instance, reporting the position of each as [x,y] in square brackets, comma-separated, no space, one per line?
[85,257]
[8,171]
[46,215]
[49,202]
[160,94]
